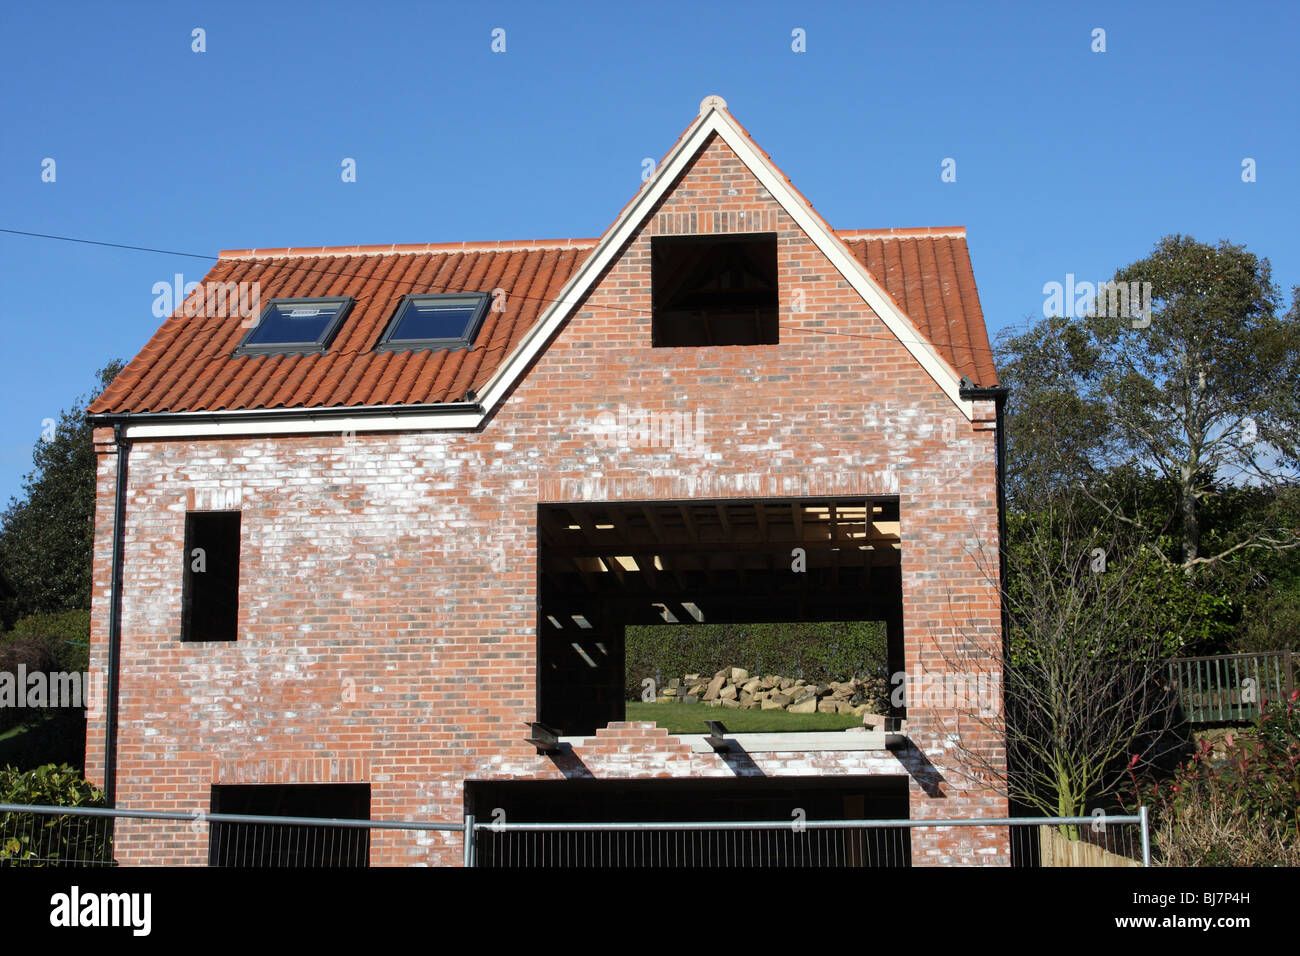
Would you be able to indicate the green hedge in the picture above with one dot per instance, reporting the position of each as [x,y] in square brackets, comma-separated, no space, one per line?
[20,655]
[51,643]
[816,652]
[66,635]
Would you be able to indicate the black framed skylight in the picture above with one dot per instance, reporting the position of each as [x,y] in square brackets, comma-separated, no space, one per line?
[295,325]
[435,322]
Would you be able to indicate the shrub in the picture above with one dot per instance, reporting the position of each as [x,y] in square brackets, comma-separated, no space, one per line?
[34,839]
[66,635]
[50,643]
[1271,623]
[54,785]
[1241,810]
[27,654]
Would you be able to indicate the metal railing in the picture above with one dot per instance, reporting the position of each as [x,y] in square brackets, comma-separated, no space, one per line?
[1231,688]
[1029,841]
[95,836]
[54,836]
[742,844]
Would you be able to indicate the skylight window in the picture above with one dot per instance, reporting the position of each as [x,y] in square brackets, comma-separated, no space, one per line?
[435,322]
[295,325]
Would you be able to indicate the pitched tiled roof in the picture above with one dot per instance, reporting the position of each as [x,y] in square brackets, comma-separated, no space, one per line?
[189,364]
[928,274]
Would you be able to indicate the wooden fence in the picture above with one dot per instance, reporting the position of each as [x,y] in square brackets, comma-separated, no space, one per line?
[1057,849]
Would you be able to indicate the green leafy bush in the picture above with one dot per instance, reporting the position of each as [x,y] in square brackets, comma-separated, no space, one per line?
[1241,810]
[1181,614]
[48,643]
[34,839]
[1185,614]
[816,651]
[1271,622]
[54,785]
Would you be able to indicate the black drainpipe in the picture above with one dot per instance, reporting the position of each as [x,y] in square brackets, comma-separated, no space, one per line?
[115,620]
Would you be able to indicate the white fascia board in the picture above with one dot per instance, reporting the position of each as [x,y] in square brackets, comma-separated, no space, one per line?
[306,425]
[715,121]
[581,281]
[849,267]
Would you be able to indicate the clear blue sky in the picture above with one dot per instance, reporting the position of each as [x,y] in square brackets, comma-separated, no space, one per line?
[1068,161]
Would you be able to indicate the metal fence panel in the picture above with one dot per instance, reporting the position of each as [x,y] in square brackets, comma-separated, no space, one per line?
[1032,842]
[65,839]
[86,836]
[96,836]
[756,845]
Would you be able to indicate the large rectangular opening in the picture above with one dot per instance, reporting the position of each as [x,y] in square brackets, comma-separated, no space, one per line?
[820,567]
[789,802]
[272,845]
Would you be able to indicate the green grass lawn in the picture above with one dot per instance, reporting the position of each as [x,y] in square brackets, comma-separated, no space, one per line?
[690,718]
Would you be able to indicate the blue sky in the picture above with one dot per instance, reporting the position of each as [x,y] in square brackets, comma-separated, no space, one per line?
[1067,160]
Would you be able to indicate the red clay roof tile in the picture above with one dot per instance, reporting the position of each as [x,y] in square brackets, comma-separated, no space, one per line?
[928,274]
[188,365]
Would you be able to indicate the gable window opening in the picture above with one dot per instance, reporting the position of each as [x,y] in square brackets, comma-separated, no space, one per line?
[289,326]
[210,588]
[714,290]
[435,322]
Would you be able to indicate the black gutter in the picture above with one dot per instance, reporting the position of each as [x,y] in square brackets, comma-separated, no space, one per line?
[280,414]
[115,620]
[998,395]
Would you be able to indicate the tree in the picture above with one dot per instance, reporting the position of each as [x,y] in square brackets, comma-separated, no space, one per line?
[1191,386]
[1084,686]
[47,538]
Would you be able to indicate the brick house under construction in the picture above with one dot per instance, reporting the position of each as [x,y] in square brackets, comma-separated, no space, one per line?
[347,554]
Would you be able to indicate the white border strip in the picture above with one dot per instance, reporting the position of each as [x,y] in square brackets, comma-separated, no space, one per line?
[306,425]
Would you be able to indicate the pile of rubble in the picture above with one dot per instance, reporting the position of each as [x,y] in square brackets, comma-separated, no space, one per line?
[736,689]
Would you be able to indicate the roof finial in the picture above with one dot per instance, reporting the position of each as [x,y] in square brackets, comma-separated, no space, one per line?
[712,102]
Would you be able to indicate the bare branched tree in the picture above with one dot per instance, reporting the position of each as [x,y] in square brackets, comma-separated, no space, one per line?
[1084,689]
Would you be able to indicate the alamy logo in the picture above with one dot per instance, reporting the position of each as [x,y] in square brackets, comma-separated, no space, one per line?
[60,689]
[215,300]
[1115,300]
[976,692]
[639,428]
[75,908]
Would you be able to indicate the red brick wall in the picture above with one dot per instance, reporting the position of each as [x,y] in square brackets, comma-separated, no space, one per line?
[385,577]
